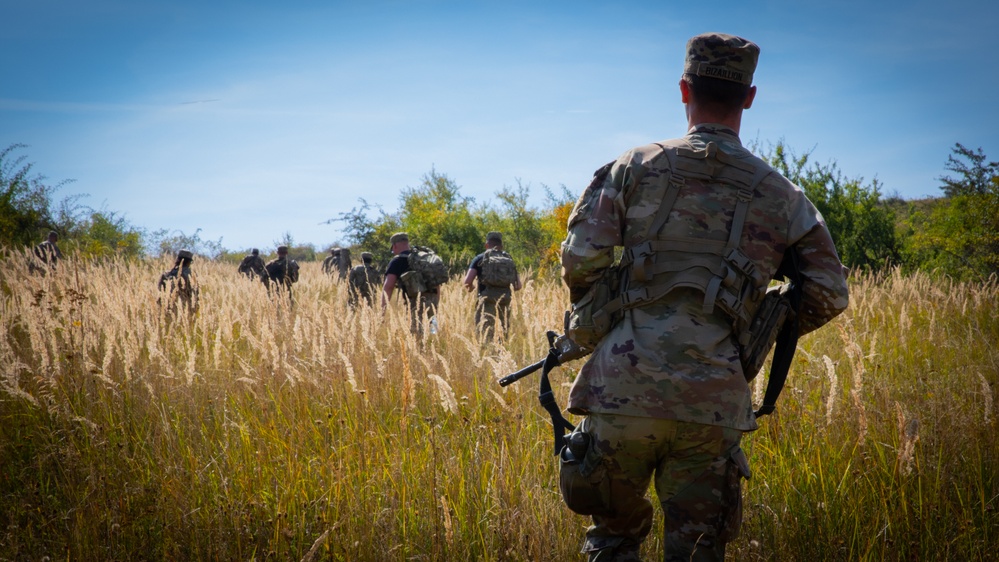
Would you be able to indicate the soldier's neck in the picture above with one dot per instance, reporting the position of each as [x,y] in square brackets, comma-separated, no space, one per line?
[697,116]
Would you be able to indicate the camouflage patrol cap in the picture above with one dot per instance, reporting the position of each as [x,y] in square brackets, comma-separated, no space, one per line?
[399,237]
[494,237]
[282,249]
[255,251]
[186,254]
[722,56]
[366,257]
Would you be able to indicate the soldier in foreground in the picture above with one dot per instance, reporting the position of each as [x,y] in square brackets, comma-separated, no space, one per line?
[363,281]
[704,225]
[181,283]
[281,272]
[252,265]
[496,274]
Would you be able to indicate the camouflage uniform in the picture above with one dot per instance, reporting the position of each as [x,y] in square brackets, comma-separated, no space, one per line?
[47,254]
[363,279]
[664,391]
[282,271]
[181,284]
[330,264]
[493,301]
[252,265]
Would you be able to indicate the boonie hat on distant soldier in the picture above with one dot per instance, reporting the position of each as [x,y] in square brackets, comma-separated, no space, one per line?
[366,257]
[494,237]
[186,254]
[722,56]
[399,237]
[282,249]
[255,252]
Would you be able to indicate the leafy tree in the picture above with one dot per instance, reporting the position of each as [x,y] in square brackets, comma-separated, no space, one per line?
[435,214]
[163,242]
[297,252]
[977,177]
[862,225]
[25,200]
[364,234]
[26,212]
[958,234]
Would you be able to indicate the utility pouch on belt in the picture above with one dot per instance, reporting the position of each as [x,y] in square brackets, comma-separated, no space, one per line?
[412,283]
[582,477]
[773,312]
[588,321]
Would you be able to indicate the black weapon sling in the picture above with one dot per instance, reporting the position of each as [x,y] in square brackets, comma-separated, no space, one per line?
[787,338]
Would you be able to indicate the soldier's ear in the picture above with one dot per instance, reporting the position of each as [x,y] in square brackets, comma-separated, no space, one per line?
[750,97]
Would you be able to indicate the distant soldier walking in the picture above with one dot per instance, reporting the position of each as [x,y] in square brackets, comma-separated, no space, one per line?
[363,281]
[496,274]
[281,272]
[343,264]
[252,265]
[47,254]
[180,283]
[330,263]
[420,272]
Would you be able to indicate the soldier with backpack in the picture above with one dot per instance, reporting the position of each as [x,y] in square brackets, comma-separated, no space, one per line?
[363,281]
[252,265]
[180,284]
[496,273]
[420,272]
[47,254]
[282,271]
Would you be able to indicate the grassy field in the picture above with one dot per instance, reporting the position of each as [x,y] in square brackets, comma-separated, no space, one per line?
[256,430]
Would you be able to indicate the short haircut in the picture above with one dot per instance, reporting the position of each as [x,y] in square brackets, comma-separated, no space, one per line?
[723,97]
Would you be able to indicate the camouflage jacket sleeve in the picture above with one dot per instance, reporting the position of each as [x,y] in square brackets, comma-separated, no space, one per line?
[596,225]
[825,289]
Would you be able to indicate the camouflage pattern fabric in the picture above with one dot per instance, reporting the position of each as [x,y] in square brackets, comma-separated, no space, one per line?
[363,279]
[493,303]
[669,359]
[498,269]
[182,287]
[330,264]
[423,306]
[281,271]
[47,255]
[697,472]
[252,266]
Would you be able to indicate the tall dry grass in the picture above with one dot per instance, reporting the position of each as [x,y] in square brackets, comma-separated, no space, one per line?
[259,430]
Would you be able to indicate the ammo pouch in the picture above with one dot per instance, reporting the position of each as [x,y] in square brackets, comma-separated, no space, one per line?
[774,310]
[412,283]
[587,321]
[582,477]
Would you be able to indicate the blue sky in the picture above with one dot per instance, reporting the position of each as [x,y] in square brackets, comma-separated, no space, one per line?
[250,120]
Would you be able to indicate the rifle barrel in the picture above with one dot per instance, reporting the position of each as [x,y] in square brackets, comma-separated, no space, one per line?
[514,377]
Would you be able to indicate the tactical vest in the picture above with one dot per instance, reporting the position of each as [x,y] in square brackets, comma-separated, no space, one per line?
[726,277]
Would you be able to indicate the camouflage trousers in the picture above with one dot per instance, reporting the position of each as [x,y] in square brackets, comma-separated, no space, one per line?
[489,307]
[424,306]
[697,471]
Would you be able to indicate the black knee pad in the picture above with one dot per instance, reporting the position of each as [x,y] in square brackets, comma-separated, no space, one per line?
[583,479]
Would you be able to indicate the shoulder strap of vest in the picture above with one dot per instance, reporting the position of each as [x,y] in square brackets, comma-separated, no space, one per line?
[706,164]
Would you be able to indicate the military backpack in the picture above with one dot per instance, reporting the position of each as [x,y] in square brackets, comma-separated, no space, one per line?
[426,272]
[498,269]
